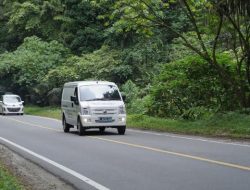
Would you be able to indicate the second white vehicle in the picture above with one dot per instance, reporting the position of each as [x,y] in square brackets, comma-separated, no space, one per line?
[92,104]
[11,104]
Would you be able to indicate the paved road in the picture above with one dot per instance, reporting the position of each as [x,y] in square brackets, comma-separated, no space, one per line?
[137,160]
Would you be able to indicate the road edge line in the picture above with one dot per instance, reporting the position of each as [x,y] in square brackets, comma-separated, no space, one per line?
[57,165]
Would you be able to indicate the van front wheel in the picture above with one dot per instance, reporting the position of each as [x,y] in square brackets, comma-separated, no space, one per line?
[80,127]
[102,129]
[121,130]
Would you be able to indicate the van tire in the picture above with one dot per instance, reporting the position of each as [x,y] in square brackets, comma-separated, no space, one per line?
[121,130]
[66,126]
[80,128]
[102,129]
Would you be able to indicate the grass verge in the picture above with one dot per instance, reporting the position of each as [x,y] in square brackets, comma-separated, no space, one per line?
[229,125]
[8,181]
[51,112]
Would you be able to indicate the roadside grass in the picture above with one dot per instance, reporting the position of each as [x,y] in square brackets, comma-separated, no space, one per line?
[228,125]
[51,112]
[8,181]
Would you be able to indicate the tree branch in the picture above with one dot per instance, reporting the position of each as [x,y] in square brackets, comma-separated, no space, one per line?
[186,42]
[238,30]
[193,21]
[217,37]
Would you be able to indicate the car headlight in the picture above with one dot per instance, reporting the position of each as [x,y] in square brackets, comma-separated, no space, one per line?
[85,111]
[121,110]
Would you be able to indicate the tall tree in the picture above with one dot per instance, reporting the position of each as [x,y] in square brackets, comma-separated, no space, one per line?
[84,31]
[143,15]
[36,17]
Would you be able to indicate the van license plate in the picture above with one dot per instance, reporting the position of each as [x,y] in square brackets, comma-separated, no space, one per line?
[105,119]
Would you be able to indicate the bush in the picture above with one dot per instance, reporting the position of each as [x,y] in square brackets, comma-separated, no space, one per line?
[139,105]
[24,69]
[189,88]
[60,75]
[103,64]
[135,104]
[130,90]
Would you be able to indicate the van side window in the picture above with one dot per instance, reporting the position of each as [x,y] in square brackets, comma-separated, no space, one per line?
[67,93]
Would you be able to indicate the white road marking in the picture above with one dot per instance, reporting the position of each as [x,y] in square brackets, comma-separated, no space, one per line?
[63,168]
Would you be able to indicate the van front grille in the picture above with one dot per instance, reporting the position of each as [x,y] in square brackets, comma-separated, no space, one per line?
[104,111]
[13,109]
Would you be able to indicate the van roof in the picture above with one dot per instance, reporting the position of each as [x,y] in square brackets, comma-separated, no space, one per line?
[80,83]
[11,95]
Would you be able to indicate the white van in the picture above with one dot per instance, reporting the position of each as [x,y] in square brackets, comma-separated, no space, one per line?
[92,104]
[11,104]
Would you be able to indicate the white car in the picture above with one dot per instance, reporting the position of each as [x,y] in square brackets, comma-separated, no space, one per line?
[93,104]
[11,104]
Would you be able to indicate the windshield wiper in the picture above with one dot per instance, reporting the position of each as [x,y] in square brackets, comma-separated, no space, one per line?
[95,99]
[103,99]
[114,99]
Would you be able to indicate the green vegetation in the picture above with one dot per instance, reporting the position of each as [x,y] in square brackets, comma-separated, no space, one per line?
[51,112]
[7,181]
[190,88]
[178,59]
[229,125]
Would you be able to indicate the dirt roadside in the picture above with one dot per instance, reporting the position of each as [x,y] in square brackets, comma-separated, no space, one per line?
[31,175]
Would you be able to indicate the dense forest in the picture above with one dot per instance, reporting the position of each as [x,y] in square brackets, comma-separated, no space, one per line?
[172,58]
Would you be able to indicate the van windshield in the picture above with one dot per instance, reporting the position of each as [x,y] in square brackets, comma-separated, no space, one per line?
[11,99]
[99,93]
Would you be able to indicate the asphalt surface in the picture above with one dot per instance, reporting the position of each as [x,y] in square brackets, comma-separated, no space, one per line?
[137,160]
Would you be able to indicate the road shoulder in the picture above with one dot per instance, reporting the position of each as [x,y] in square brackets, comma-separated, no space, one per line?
[31,175]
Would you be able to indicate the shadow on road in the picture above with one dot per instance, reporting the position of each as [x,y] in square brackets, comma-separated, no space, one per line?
[96,133]
[11,114]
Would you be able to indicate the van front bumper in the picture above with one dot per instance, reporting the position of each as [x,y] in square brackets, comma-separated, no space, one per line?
[97,121]
[13,110]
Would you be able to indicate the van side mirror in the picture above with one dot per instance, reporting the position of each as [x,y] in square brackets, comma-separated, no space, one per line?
[74,99]
[124,97]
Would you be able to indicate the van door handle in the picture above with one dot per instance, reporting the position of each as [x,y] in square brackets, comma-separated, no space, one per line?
[72,105]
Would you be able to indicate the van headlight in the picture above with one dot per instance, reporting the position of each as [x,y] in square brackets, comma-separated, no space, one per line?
[85,111]
[121,110]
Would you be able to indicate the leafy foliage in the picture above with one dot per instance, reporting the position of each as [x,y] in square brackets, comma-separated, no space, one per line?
[188,88]
[178,58]
[136,101]
[58,76]
[27,66]
[103,64]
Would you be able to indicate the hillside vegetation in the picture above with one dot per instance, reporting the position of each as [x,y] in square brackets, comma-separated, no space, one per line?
[178,59]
